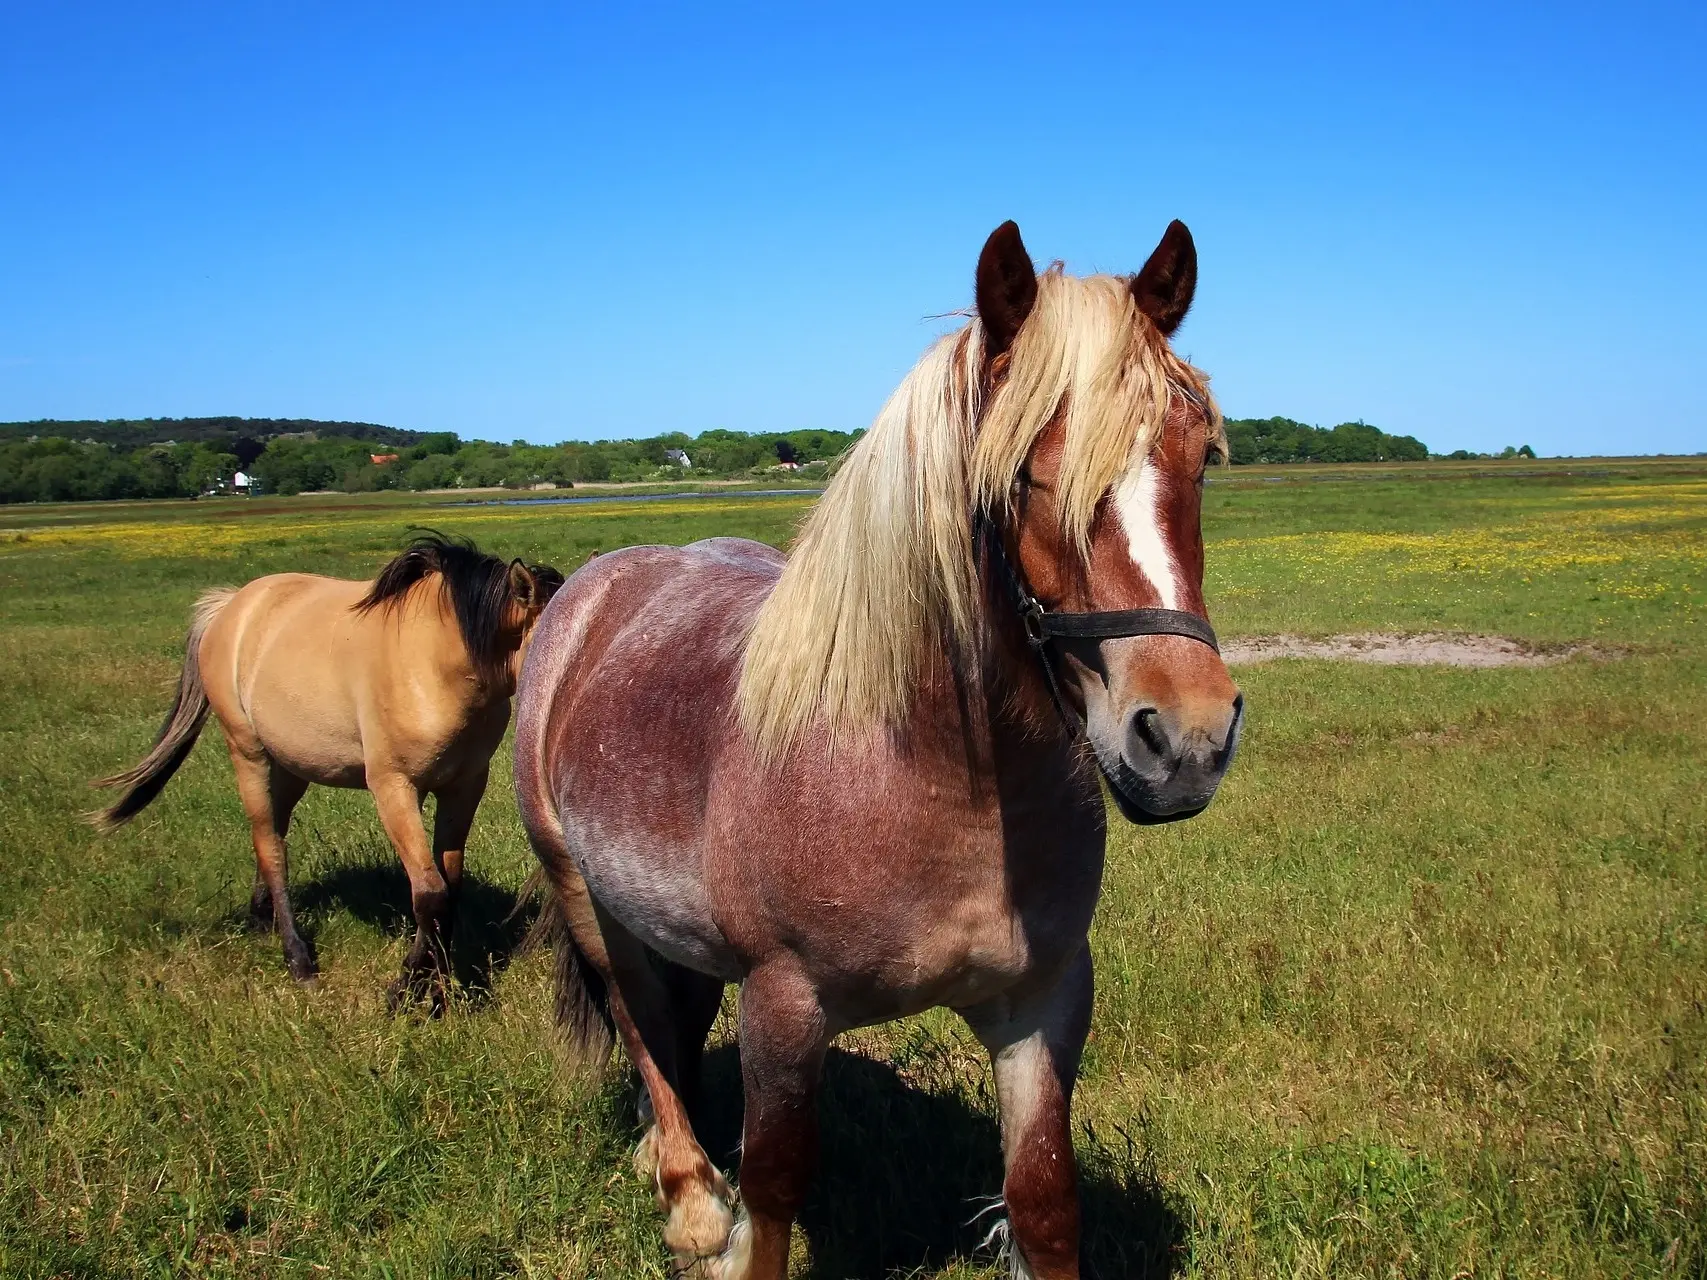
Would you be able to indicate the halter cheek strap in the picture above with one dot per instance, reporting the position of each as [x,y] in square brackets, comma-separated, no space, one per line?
[1042,626]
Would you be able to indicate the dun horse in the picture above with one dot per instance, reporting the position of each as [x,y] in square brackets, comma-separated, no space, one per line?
[862,782]
[401,685]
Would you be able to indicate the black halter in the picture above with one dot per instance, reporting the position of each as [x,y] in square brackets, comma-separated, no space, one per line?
[1043,626]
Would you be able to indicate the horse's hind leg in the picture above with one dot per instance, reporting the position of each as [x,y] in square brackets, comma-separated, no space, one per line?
[269,795]
[1034,1046]
[261,903]
[688,1185]
[695,998]
[425,967]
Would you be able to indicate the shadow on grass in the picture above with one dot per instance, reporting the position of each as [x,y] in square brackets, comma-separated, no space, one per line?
[488,930]
[906,1172]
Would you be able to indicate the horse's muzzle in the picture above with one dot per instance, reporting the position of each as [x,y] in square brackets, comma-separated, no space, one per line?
[1165,769]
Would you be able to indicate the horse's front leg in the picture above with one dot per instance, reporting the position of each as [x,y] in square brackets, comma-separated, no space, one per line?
[399,805]
[1034,1046]
[783,1039]
[452,818]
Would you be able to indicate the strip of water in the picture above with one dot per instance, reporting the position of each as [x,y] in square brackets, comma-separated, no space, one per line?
[643,497]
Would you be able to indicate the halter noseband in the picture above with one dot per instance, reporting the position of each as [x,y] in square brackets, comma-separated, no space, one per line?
[1042,626]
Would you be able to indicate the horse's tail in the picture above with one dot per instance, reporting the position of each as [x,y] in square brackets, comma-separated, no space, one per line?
[177,735]
[580,1005]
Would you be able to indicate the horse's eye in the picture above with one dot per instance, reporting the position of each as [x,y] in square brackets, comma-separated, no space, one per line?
[1212,451]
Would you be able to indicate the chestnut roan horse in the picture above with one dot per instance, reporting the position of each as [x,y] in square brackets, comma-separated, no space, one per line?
[862,782]
[401,685]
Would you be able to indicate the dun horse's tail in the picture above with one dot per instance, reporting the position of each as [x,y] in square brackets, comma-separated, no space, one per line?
[178,735]
[580,1005]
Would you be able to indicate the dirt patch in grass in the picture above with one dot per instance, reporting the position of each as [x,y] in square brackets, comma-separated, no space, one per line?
[1391,649]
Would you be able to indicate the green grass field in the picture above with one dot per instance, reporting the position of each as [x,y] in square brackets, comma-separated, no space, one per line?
[1423,994]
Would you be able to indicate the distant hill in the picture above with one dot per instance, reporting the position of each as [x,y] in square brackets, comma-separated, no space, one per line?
[134,433]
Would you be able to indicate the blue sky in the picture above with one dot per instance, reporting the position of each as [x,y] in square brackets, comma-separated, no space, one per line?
[1479,224]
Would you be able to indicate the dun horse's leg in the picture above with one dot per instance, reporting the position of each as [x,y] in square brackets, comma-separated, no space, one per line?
[269,794]
[399,805]
[1034,1046]
[783,1039]
[261,903]
[451,821]
[688,1185]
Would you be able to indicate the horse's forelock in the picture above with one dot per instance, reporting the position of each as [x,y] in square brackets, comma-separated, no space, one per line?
[1089,355]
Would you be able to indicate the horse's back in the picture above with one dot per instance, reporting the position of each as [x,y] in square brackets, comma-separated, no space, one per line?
[296,669]
[707,588]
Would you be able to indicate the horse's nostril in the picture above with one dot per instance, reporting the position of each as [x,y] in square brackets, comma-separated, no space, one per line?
[1147,723]
[1229,744]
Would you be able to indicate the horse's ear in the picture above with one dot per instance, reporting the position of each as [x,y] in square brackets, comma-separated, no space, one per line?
[524,589]
[1163,289]
[1006,288]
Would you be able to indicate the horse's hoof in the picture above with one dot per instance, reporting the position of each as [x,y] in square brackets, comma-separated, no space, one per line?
[699,1233]
[302,968]
[411,988]
[732,1262]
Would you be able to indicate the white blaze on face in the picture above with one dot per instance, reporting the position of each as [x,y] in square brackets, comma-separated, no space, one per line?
[1138,499]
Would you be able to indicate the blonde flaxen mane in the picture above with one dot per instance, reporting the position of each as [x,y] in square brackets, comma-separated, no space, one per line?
[883,572]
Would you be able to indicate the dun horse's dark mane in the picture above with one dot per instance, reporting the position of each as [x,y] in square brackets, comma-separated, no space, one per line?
[478,585]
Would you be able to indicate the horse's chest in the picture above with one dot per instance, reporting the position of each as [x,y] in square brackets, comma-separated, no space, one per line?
[947,930]
[961,953]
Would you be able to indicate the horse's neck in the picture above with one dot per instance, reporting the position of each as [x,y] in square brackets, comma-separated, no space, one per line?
[1015,685]
[997,718]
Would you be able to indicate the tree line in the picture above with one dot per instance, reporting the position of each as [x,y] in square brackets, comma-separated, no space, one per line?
[48,466]
[443,461]
[1283,440]
[188,457]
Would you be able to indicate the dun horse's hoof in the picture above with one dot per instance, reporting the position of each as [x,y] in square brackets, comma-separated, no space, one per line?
[414,986]
[303,969]
[399,996]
